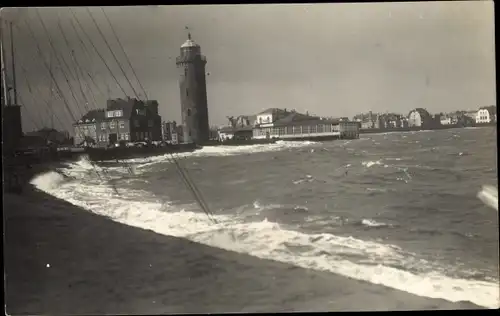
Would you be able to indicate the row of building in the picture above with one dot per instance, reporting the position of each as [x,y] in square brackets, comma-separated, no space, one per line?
[421,118]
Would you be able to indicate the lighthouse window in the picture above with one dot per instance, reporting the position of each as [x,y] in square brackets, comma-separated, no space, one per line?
[189,112]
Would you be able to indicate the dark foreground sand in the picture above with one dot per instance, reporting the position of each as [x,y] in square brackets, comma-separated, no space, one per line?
[98,266]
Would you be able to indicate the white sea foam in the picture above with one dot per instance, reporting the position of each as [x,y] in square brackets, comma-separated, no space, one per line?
[268,240]
[210,151]
[373,223]
[368,164]
[489,196]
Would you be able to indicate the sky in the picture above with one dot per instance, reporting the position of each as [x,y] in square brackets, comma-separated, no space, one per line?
[328,59]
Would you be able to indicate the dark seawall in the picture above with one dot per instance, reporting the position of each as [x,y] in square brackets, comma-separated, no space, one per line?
[61,259]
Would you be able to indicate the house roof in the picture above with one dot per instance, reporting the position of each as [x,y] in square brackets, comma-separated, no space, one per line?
[423,112]
[492,110]
[272,111]
[295,117]
[120,104]
[91,116]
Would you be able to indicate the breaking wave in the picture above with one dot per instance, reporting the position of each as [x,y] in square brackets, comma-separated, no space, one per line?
[370,261]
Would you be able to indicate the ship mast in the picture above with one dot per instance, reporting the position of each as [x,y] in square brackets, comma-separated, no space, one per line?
[51,96]
[5,90]
[14,85]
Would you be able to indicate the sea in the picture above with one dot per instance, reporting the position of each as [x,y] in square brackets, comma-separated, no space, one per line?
[394,209]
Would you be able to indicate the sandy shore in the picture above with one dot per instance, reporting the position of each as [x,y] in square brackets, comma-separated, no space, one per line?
[61,259]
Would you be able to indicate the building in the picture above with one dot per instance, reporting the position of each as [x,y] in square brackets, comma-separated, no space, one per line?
[446,120]
[193,89]
[282,124]
[486,114]
[86,129]
[236,133]
[271,115]
[242,121]
[419,117]
[170,132]
[127,120]
[367,124]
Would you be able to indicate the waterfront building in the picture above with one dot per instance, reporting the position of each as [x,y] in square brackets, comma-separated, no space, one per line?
[123,120]
[86,129]
[170,132]
[419,117]
[445,120]
[193,90]
[486,114]
[281,124]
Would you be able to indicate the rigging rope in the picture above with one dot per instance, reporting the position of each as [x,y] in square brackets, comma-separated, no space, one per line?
[58,89]
[125,53]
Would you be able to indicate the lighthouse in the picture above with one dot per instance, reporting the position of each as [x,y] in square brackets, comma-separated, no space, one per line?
[193,88]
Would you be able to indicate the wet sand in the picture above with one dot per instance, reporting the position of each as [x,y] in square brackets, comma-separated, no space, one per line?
[61,259]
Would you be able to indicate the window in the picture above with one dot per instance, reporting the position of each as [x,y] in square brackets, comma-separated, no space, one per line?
[136,123]
[187,92]
[137,136]
[126,136]
[185,71]
[122,124]
[189,112]
[109,113]
[103,125]
[150,123]
[189,133]
[118,113]
[112,124]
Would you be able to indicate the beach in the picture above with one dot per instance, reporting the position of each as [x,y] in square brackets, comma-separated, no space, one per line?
[61,259]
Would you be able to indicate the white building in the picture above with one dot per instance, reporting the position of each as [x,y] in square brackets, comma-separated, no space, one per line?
[486,115]
[269,116]
[418,118]
[445,120]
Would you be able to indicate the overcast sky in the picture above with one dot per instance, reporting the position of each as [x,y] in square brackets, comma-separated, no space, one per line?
[328,59]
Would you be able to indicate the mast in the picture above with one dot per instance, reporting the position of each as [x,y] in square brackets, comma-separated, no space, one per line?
[14,85]
[51,96]
[6,97]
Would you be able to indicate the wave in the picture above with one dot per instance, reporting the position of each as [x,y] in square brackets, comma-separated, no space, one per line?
[489,196]
[368,164]
[268,240]
[217,151]
[373,223]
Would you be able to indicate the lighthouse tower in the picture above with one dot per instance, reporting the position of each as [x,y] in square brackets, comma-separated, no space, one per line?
[193,86]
